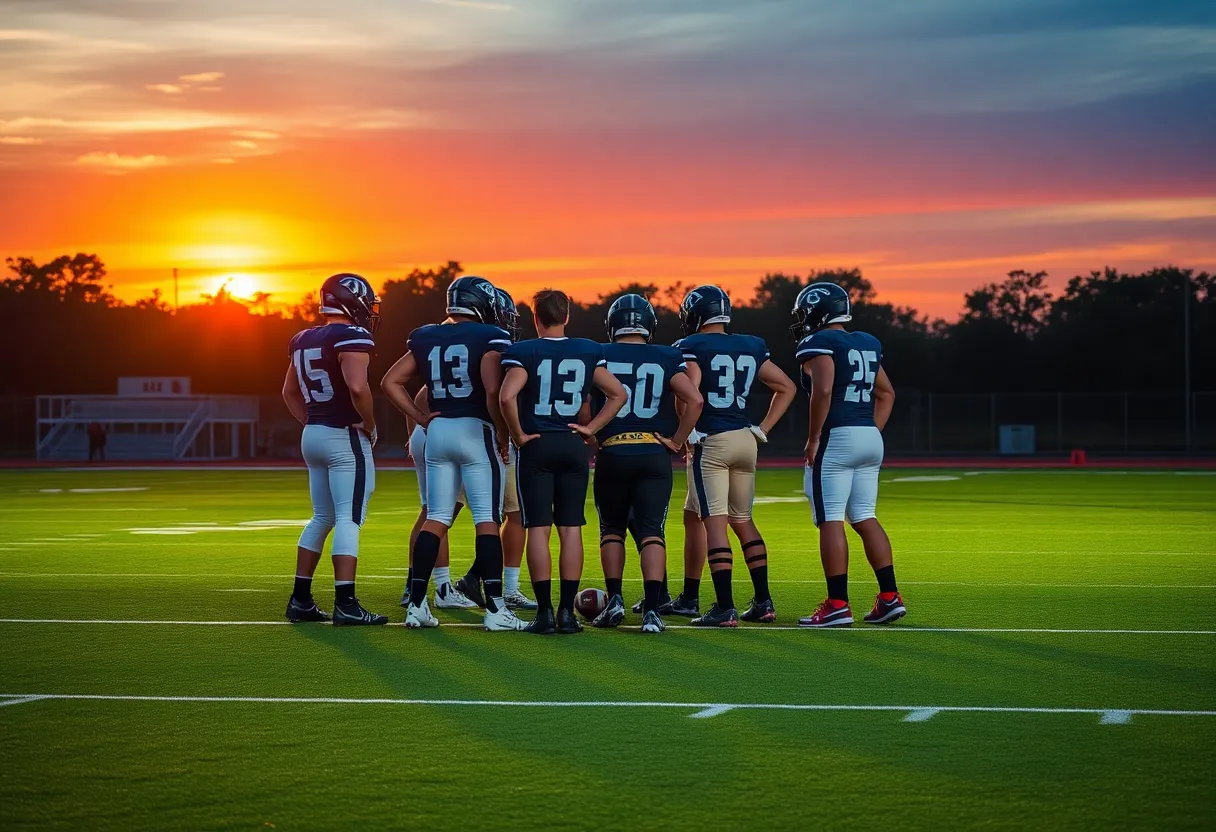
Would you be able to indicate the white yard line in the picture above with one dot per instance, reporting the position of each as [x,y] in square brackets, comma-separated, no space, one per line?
[702,710]
[750,629]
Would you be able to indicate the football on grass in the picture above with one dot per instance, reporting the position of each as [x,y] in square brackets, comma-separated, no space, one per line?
[591,602]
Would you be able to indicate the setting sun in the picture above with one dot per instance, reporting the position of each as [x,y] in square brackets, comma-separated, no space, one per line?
[238,284]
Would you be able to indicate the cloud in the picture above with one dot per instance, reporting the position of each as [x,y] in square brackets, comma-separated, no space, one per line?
[19,140]
[201,77]
[256,134]
[245,144]
[167,89]
[118,163]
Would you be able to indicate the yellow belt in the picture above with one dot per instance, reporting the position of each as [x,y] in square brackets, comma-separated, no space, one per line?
[630,439]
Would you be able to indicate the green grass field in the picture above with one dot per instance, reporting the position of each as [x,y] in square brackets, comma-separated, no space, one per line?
[1027,590]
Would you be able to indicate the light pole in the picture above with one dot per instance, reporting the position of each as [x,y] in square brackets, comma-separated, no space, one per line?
[1186,353]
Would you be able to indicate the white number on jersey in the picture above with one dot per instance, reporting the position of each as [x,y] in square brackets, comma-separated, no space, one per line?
[728,368]
[647,393]
[572,373]
[305,371]
[456,361]
[865,368]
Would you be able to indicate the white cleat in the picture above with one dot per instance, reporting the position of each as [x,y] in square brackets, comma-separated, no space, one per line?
[418,617]
[448,597]
[502,620]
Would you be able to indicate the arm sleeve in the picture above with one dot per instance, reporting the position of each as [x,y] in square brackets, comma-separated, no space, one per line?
[513,357]
[355,339]
[812,346]
[600,360]
[500,340]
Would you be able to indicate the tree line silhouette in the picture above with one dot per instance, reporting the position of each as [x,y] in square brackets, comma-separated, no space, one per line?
[1104,332]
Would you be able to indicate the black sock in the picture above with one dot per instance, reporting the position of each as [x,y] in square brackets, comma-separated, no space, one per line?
[409,576]
[303,590]
[760,582]
[838,587]
[426,552]
[665,590]
[544,595]
[692,588]
[568,590]
[489,556]
[653,590]
[886,579]
[726,598]
[614,586]
[344,594]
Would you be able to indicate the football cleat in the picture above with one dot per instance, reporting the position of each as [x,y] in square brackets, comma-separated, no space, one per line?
[567,622]
[612,615]
[689,607]
[419,617]
[543,624]
[652,623]
[640,606]
[717,617]
[886,610]
[518,601]
[471,588]
[829,614]
[502,620]
[355,616]
[448,597]
[299,612]
[762,612]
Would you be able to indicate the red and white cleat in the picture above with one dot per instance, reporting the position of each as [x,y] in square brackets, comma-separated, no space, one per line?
[829,614]
[888,607]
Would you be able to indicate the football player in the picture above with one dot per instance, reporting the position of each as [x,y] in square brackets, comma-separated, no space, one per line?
[460,362]
[546,383]
[512,530]
[326,390]
[633,466]
[851,400]
[722,465]
[447,596]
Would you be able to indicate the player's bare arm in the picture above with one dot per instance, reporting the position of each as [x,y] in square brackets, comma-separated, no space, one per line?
[783,388]
[884,398]
[689,404]
[614,399]
[492,378]
[393,385]
[354,372]
[293,396]
[822,370]
[508,395]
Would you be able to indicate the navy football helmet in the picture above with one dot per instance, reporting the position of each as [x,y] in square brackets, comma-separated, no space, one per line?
[702,306]
[631,315]
[353,296]
[475,297]
[817,306]
[506,315]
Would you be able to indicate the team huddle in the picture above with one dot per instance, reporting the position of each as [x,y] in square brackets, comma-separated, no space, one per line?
[506,426]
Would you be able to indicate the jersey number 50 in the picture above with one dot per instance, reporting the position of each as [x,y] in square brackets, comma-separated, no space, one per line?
[640,401]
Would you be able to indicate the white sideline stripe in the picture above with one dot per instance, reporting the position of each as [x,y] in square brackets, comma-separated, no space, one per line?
[755,629]
[922,715]
[703,709]
[1116,717]
[19,701]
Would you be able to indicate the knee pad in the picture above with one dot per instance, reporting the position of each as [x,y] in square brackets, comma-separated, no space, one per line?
[346,538]
[314,534]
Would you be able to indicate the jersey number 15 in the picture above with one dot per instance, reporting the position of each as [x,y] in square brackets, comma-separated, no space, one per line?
[307,373]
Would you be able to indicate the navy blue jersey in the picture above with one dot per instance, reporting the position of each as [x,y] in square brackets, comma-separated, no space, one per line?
[314,353]
[729,365]
[449,357]
[857,356]
[645,371]
[559,379]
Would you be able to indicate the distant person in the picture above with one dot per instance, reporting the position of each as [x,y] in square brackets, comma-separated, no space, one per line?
[547,381]
[722,463]
[851,400]
[97,442]
[326,390]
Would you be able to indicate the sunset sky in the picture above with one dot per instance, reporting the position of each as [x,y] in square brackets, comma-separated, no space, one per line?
[936,144]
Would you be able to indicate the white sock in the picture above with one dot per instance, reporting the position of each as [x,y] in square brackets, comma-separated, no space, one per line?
[510,579]
[442,575]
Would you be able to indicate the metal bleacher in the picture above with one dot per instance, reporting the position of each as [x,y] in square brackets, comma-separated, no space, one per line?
[149,428]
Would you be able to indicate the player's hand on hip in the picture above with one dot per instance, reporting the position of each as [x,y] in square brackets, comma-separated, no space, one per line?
[668,443]
[585,432]
[372,434]
[811,450]
[504,450]
[524,439]
[759,433]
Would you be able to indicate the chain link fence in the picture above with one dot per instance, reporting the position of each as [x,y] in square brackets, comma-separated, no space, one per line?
[922,424]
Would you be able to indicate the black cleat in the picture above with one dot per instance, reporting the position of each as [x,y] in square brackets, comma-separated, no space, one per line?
[652,623]
[717,617]
[688,607]
[640,606]
[613,614]
[298,612]
[567,622]
[543,624]
[356,616]
[471,589]
[760,611]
